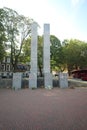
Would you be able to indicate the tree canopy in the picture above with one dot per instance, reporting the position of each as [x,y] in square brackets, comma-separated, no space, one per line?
[17,29]
[75,53]
[2,35]
[15,33]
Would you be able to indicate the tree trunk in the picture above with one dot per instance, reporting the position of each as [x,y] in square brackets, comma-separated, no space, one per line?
[40,70]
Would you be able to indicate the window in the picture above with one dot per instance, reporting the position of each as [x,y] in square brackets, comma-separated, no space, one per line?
[7,67]
[3,67]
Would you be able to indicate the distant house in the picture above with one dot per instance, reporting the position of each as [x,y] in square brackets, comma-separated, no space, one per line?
[5,65]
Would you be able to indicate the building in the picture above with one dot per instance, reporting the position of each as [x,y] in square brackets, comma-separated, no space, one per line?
[5,65]
[6,69]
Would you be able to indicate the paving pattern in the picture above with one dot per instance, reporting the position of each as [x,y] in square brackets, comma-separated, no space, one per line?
[41,109]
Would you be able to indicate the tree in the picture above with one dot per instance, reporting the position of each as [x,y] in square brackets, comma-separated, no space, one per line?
[26,51]
[18,28]
[75,54]
[56,53]
[2,35]
[40,54]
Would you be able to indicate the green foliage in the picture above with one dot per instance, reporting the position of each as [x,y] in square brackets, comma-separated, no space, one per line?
[2,35]
[75,53]
[26,50]
[56,53]
[40,54]
[17,28]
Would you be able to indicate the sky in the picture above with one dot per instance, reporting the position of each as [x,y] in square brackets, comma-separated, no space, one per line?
[67,18]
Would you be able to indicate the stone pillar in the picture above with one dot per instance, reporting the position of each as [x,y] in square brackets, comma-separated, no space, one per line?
[46,57]
[63,80]
[33,69]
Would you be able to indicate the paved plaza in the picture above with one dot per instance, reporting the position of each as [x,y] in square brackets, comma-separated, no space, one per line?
[41,109]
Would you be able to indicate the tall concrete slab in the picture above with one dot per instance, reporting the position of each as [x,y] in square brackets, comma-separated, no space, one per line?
[46,57]
[33,69]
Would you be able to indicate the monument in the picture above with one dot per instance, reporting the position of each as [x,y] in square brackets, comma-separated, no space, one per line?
[33,69]
[46,57]
[17,77]
[17,81]
[63,80]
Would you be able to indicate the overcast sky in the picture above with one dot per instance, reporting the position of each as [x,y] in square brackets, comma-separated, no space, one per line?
[67,18]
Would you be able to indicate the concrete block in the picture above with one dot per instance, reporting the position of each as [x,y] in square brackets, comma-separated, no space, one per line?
[17,81]
[63,80]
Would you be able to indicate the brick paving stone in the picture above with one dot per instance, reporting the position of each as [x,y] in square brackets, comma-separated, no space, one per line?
[41,109]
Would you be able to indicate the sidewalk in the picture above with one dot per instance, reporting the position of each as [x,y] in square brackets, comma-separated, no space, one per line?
[41,109]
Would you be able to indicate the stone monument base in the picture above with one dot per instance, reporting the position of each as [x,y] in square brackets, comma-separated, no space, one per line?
[48,81]
[17,81]
[63,80]
[32,80]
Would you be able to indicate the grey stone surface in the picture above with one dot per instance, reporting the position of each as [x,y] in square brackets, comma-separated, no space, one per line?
[33,69]
[7,83]
[63,80]
[46,49]
[17,81]
[32,80]
[48,80]
[46,57]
